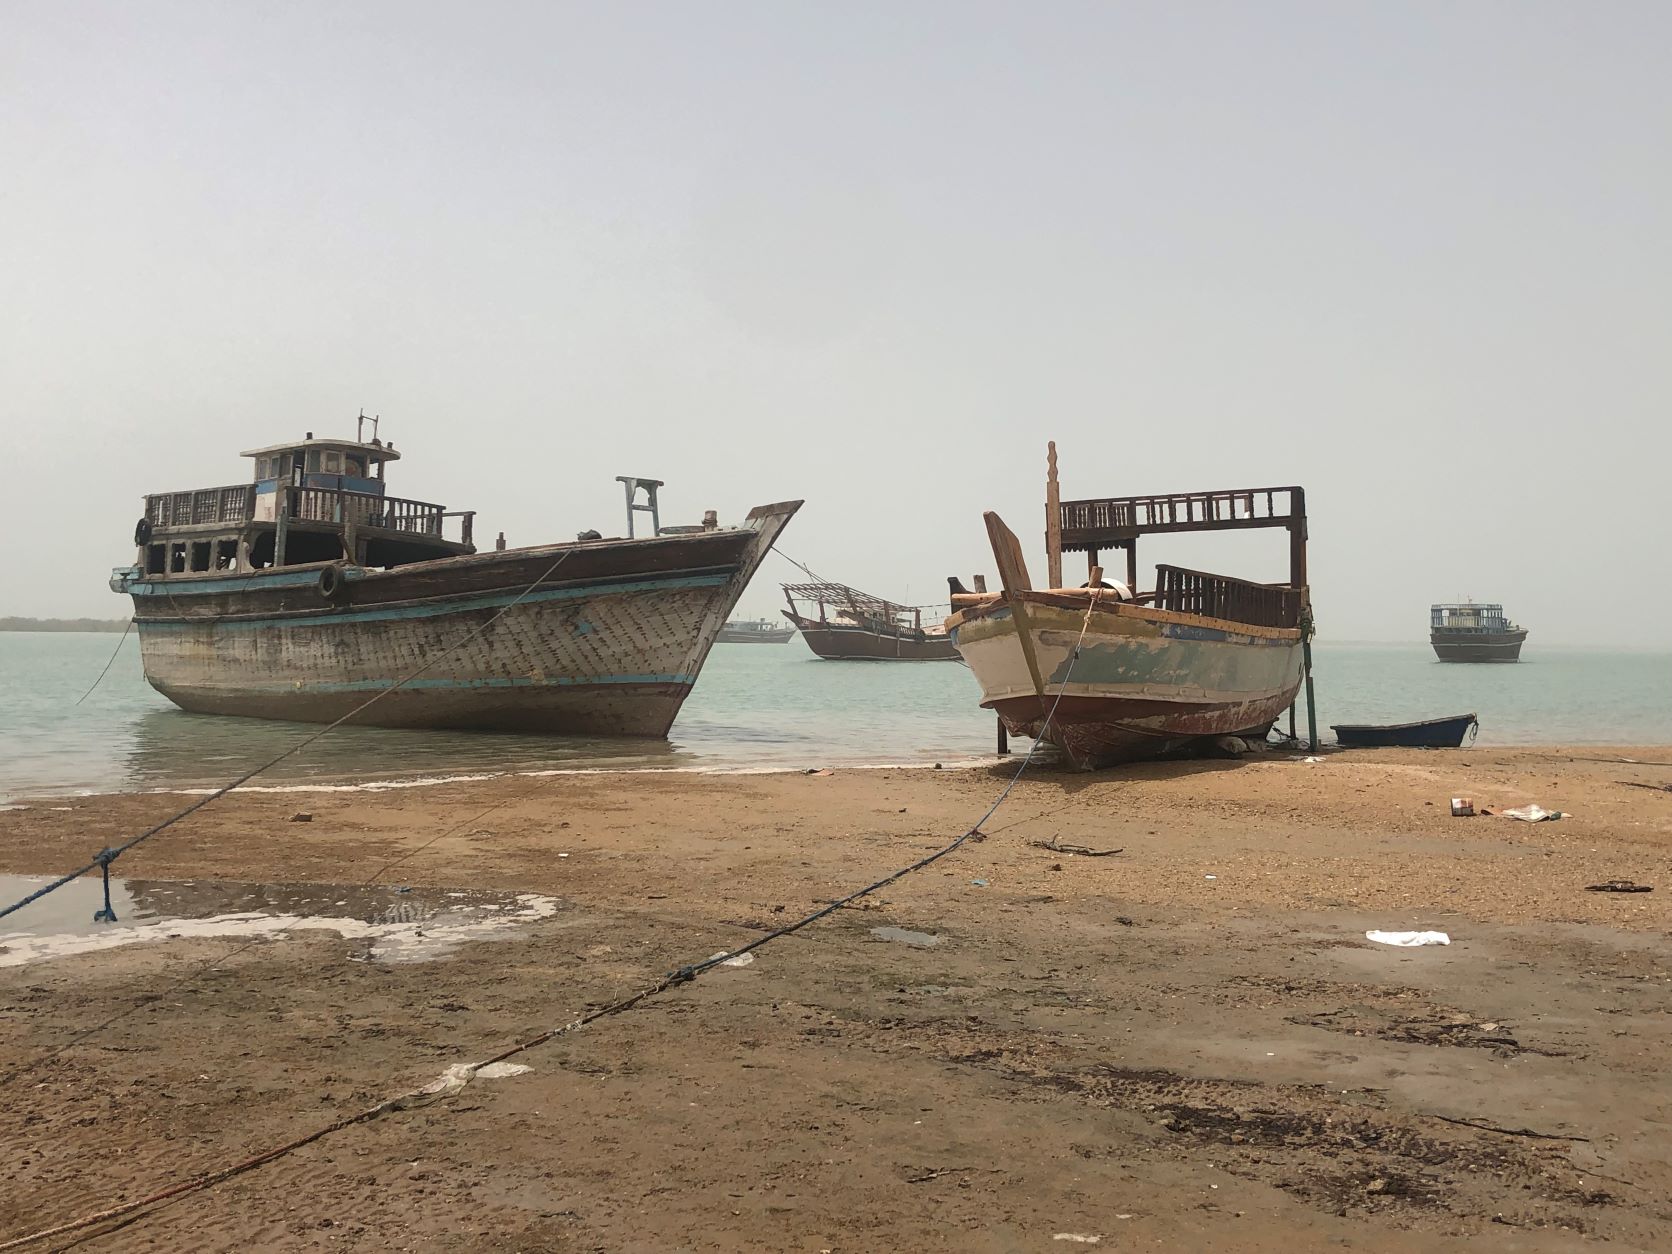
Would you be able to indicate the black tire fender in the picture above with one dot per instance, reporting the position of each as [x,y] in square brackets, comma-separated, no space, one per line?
[333,584]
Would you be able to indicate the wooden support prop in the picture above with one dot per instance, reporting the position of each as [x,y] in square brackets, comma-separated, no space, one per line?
[1053,520]
[1311,699]
[1013,574]
[1004,739]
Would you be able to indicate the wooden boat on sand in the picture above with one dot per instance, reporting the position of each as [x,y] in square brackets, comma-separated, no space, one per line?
[853,625]
[1431,733]
[1111,674]
[303,593]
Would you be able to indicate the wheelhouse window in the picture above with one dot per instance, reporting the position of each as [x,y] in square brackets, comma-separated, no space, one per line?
[333,462]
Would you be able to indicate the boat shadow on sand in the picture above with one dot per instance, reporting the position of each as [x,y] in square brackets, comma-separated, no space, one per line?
[1052,764]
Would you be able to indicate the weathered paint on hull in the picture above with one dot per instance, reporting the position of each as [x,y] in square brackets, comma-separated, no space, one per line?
[837,642]
[1146,682]
[1475,647]
[612,650]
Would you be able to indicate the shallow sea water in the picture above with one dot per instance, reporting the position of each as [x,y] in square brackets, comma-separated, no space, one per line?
[755,707]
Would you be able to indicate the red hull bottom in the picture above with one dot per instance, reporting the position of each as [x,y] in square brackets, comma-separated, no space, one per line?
[1100,731]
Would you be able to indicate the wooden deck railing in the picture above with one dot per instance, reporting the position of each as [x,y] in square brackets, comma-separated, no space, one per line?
[236,504]
[1105,519]
[1220,596]
[232,504]
[366,509]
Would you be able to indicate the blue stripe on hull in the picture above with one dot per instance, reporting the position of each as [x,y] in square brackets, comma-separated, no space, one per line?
[451,605]
[490,681]
[178,590]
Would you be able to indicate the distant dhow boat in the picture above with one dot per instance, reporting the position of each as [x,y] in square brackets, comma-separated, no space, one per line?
[756,631]
[305,592]
[855,626]
[1474,633]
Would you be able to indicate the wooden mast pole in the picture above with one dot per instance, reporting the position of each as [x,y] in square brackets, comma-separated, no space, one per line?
[1053,519]
[1298,579]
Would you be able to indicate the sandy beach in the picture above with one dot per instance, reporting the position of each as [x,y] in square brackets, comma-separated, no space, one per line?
[1188,1044]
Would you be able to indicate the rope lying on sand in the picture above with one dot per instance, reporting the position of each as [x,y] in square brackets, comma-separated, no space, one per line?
[105,857]
[456,1077]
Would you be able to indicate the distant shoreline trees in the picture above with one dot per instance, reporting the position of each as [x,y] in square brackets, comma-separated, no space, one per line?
[63,624]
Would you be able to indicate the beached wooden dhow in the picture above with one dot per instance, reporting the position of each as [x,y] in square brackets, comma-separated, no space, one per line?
[853,625]
[1197,658]
[1474,633]
[302,593]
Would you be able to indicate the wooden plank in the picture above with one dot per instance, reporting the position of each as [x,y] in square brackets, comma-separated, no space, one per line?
[1013,574]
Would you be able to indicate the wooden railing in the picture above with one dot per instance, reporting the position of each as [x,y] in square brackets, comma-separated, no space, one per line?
[1109,518]
[236,504]
[366,509]
[1219,596]
[232,504]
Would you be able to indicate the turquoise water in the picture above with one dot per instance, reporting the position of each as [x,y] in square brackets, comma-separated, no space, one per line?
[755,706]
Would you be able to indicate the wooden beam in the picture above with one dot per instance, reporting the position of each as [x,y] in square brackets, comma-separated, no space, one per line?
[1053,519]
[1013,574]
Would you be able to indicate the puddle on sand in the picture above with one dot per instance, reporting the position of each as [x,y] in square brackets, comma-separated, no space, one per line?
[917,940]
[394,925]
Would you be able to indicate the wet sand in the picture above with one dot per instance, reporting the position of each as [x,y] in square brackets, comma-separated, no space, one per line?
[1186,1045]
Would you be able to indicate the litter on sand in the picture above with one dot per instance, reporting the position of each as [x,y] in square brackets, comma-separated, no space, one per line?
[1532,814]
[1462,808]
[1079,1238]
[1408,939]
[502,1070]
[1619,886]
[738,960]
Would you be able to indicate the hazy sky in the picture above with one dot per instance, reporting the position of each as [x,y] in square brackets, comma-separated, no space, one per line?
[1413,256]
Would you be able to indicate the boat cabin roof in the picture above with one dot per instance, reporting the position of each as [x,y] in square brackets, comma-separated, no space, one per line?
[376,451]
[1469,607]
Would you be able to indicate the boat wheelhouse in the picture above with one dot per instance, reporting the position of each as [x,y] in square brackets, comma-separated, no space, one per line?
[309,501]
[308,591]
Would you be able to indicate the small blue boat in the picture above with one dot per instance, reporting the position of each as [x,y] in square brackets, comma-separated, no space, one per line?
[1433,733]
